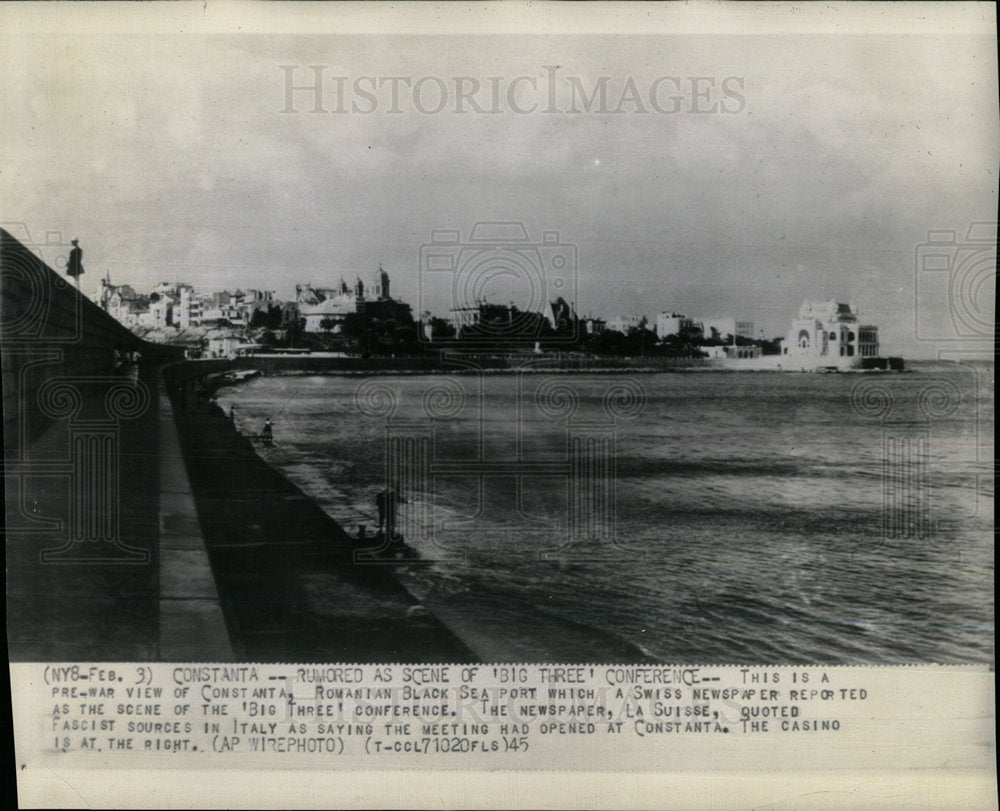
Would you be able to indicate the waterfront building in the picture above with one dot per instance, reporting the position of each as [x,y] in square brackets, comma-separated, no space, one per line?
[749,352]
[828,333]
[744,352]
[325,308]
[386,309]
[159,313]
[508,321]
[380,287]
[241,305]
[179,305]
[624,323]
[501,322]
[674,324]
[482,315]
[256,298]
[121,301]
[725,328]
[560,315]
[235,309]
[868,346]
[231,314]
[222,343]
[730,352]
[189,307]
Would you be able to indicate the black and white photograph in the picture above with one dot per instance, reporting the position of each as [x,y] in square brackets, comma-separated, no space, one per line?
[498,343]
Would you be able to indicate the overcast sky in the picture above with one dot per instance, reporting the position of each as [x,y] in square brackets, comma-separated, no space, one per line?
[825,162]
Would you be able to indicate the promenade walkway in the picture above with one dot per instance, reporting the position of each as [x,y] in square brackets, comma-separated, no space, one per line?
[85,600]
[216,557]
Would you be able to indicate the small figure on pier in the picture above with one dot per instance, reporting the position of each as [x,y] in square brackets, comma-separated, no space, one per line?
[387,502]
[267,434]
[74,265]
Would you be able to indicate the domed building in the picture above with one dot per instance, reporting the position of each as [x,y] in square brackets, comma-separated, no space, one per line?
[325,308]
[829,334]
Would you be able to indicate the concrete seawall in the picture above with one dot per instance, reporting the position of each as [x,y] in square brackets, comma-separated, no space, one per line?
[50,330]
[446,364]
[285,571]
[82,483]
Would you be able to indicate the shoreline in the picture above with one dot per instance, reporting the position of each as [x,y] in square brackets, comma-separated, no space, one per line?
[285,572]
[597,370]
[356,366]
[476,621]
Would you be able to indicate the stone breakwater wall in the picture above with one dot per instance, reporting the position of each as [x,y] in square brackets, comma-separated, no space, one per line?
[439,364]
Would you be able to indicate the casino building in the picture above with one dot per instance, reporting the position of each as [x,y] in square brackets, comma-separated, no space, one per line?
[829,334]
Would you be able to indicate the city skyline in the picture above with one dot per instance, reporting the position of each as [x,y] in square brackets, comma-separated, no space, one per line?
[719,325]
[189,159]
[334,278]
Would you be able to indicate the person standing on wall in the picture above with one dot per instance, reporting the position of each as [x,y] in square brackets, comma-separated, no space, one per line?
[74,265]
[387,502]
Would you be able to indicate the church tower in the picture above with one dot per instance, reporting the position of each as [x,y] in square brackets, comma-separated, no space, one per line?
[381,286]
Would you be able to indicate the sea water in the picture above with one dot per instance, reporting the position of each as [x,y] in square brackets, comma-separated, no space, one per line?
[710,517]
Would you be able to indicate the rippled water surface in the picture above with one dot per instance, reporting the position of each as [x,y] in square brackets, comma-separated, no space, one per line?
[721,517]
